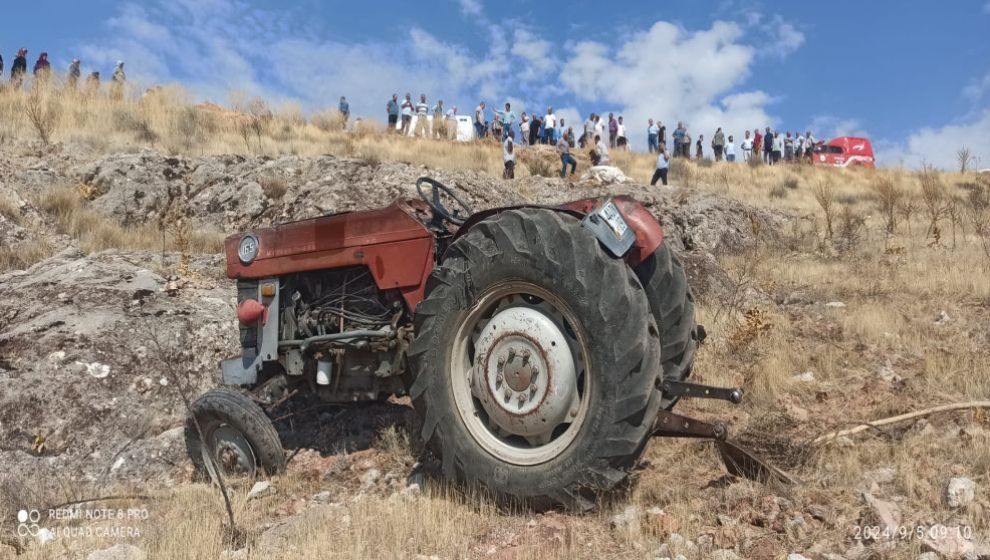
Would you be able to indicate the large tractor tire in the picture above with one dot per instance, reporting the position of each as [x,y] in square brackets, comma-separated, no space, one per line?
[535,362]
[672,304]
[239,432]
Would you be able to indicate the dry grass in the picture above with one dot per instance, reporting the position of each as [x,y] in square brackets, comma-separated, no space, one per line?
[94,232]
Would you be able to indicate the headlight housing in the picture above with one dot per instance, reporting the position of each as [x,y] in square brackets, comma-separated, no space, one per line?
[247,249]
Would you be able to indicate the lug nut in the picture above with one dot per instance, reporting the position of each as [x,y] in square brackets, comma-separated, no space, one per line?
[512,354]
[525,355]
[498,380]
[508,394]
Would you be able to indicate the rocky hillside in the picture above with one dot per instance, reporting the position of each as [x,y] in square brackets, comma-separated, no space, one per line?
[83,337]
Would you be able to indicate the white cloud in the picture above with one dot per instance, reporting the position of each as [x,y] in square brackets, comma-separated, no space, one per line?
[977,89]
[470,7]
[938,146]
[786,37]
[535,55]
[664,72]
[671,74]
[829,126]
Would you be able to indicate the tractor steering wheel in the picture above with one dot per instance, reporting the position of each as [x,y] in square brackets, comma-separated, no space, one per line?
[436,189]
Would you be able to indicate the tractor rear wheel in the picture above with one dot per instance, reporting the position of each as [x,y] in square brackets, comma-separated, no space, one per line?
[672,305]
[535,362]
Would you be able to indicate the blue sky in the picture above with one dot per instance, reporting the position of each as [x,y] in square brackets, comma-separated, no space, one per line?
[912,75]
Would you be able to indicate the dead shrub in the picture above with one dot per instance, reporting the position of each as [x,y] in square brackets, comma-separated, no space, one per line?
[851,228]
[825,196]
[273,187]
[539,167]
[889,198]
[933,196]
[778,191]
[755,323]
[43,113]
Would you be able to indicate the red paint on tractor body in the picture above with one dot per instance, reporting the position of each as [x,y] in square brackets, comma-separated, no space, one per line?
[395,243]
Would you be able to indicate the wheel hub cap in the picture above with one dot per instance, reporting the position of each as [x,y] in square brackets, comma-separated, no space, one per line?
[524,374]
[233,454]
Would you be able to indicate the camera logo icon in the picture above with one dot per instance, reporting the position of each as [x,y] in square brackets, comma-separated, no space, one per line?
[28,523]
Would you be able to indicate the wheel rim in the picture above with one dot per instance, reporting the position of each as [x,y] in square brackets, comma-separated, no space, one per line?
[232,453]
[520,378]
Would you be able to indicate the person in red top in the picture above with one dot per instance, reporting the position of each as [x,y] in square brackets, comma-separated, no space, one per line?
[757,143]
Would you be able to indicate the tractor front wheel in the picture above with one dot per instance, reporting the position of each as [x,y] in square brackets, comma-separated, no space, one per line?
[237,433]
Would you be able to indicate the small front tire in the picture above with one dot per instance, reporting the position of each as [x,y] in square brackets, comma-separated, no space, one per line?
[238,433]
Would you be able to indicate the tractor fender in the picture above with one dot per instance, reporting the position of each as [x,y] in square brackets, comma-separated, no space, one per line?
[649,232]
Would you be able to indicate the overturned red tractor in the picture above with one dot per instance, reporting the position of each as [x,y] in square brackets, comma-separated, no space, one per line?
[541,346]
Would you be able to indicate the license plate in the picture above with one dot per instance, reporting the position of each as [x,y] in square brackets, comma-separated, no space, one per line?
[610,213]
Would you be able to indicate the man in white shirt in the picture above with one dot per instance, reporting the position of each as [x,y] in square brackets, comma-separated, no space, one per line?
[602,149]
[589,131]
[747,147]
[730,150]
[524,125]
[509,156]
[479,120]
[620,133]
[422,121]
[549,123]
[407,112]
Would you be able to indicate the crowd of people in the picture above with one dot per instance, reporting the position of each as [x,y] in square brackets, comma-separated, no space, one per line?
[42,73]
[598,134]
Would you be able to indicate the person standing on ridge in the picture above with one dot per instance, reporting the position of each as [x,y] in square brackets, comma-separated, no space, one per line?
[613,130]
[422,117]
[768,139]
[19,68]
[42,68]
[72,75]
[718,144]
[564,149]
[407,113]
[663,164]
[699,154]
[549,124]
[479,120]
[117,82]
[439,124]
[730,150]
[344,108]
[392,110]
[537,130]
[747,147]
[652,130]
[509,155]
[678,135]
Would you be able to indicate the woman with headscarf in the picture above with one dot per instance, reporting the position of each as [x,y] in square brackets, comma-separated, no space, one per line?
[19,68]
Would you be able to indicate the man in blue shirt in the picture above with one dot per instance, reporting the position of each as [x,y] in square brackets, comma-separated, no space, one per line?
[651,136]
[508,117]
[678,136]
[768,142]
[345,111]
[393,112]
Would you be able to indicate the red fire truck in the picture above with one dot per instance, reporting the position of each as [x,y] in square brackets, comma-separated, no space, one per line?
[845,151]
